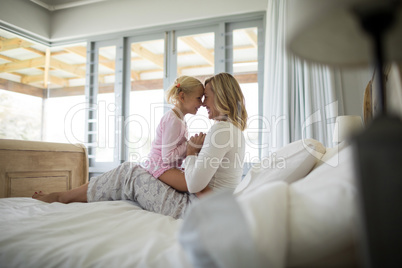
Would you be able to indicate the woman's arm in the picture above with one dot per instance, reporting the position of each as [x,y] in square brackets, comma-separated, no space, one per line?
[199,169]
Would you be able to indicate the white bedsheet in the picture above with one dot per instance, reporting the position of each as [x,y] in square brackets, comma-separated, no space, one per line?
[102,234]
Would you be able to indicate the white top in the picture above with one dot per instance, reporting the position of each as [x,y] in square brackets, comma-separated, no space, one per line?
[220,161]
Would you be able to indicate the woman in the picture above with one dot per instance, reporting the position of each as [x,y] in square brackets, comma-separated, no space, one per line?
[217,166]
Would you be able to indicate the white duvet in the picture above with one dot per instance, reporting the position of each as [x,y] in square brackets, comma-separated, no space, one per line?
[102,234]
[310,222]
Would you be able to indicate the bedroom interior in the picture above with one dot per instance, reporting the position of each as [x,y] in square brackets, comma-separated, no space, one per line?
[306,214]
[367,32]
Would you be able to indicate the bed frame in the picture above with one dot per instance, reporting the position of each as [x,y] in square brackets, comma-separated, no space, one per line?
[30,166]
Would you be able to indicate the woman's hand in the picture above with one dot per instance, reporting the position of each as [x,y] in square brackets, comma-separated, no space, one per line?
[195,143]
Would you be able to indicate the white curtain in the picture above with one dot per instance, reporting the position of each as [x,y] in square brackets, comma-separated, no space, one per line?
[301,100]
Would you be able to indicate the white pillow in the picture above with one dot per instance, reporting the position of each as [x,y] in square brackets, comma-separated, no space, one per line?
[265,210]
[328,159]
[215,233]
[322,212]
[290,163]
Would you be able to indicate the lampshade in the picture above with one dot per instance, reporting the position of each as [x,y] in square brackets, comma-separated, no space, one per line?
[330,32]
[347,126]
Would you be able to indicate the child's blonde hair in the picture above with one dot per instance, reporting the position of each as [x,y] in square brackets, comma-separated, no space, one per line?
[184,84]
[229,99]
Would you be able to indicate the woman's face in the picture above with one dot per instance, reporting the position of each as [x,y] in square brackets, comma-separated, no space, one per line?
[209,102]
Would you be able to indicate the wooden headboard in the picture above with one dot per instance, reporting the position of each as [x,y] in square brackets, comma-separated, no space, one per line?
[29,166]
[393,79]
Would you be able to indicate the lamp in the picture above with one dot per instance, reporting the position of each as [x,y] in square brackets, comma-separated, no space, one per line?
[347,33]
[355,33]
[346,127]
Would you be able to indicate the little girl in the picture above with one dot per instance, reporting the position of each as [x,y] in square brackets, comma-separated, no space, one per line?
[169,146]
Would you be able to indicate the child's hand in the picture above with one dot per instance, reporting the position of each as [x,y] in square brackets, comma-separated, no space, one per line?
[195,143]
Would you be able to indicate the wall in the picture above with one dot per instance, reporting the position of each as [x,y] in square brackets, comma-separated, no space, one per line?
[121,15]
[23,14]
[116,15]
[354,82]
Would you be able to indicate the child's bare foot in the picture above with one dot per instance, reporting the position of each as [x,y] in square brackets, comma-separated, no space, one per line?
[49,198]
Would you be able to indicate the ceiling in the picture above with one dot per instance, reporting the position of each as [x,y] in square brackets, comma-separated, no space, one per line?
[53,5]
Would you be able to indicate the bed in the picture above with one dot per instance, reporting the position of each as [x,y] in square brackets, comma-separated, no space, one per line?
[295,210]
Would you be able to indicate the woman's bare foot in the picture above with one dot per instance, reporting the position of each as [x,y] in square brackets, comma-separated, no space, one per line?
[49,198]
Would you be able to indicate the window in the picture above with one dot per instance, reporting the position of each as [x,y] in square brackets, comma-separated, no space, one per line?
[64,116]
[20,116]
[41,88]
[104,104]
[245,69]
[147,96]
[106,107]
[111,95]
[65,119]
[125,119]
[196,57]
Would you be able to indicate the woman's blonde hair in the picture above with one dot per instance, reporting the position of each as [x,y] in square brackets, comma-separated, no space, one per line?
[185,84]
[229,99]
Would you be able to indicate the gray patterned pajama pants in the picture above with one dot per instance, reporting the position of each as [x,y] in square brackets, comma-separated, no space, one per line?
[130,181]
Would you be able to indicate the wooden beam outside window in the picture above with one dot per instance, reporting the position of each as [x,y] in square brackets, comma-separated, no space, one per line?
[22,88]
[13,43]
[24,64]
[199,49]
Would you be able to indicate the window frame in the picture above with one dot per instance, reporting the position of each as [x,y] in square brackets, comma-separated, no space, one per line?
[91,95]
[260,25]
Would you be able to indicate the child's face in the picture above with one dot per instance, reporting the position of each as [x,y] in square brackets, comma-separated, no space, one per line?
[193,101]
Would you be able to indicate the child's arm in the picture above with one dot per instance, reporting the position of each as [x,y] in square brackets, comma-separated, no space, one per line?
[173,141]
[175,177]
